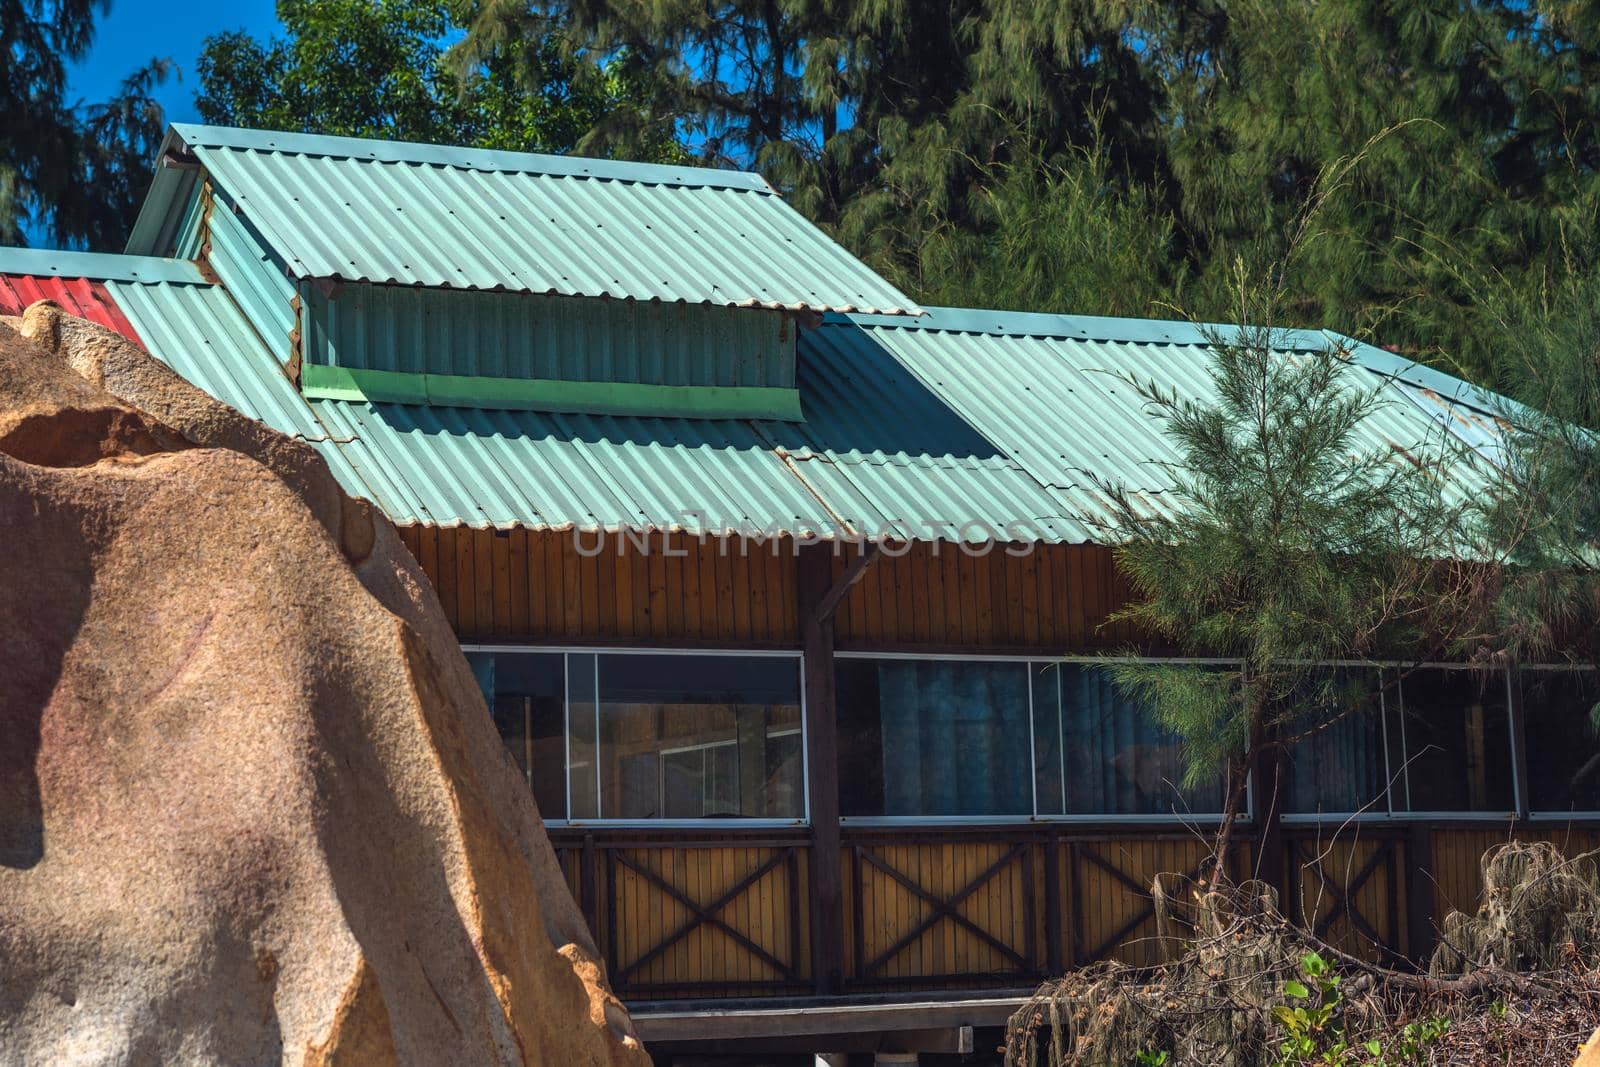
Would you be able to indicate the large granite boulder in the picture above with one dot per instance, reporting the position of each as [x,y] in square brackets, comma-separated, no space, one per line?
[252,808]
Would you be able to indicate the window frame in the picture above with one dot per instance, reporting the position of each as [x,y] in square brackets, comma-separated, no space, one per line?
[1533,814]
[1402,775]
[1510,675]
[710,822]
[1200,819]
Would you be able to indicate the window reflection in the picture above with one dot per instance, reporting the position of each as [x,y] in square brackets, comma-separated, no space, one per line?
[935,738]
[932,737]
[687,737]
[526,695]
[633,736]
[1563,744]
[1341,766]
[1457,740]
[1098,752]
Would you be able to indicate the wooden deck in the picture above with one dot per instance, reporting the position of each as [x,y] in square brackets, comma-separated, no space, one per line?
[727,916]
[849,915]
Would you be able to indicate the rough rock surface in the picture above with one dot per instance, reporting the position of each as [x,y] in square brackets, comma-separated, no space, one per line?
[252,808]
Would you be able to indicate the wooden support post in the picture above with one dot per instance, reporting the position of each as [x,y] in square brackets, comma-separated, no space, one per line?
[1052,905]
[588,892]
[1419,893]
[814,582]
[1269,788]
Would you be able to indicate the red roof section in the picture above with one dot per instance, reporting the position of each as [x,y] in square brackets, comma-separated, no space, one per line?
[79,296]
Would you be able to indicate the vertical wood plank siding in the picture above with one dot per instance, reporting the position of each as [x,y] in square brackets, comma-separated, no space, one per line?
[684,914]
[520,584]
[539,585]
[1458,853]
[1055,598]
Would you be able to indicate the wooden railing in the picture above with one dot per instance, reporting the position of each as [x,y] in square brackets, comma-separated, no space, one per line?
[690,914]
[728,914]
[941,908]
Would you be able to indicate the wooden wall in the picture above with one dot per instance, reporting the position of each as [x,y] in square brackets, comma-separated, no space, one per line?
[730,913]
[1456,870]
[983,908]
[540,586]
[1055,598]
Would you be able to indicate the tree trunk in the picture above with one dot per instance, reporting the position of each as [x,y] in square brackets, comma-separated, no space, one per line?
[1238,782]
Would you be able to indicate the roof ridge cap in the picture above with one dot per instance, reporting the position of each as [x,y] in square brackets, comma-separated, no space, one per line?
[458,157]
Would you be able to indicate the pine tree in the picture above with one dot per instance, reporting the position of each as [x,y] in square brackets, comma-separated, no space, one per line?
[74,171]
[1292,539]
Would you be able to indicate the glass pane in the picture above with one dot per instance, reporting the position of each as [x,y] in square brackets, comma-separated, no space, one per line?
[1341,768]
[1049,757]
[1563,746]
[1116,759]
[933,737]
[1457,741]
[525,692]
[583,722]
[688,737]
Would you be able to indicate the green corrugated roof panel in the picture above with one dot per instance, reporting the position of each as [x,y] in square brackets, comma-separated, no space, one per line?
[199,332]
[518,335]
[97,265]
[428,215]
[934,432]
[957,426]
[1050,392]
[462,466]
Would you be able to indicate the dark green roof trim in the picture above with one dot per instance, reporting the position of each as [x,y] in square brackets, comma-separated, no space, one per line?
[319,382]
[304,144]
[100,266]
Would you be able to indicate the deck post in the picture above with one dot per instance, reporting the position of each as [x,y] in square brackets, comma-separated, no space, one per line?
[1419,893]
[1268,794]
[814,582]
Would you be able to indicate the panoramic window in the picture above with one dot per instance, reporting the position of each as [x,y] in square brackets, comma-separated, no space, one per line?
[1563,745]
[941,738]
[651,736]
[1455,731]
[1341,765]
[1096,752]
[921,737]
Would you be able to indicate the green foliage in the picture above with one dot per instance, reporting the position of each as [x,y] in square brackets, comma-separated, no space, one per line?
[1294,538]
[1545,525]
[1309,1015]
[1053,235]
[945,143]
[75,171]
[1152,1058]
[378,68]
[1416,1038]
[1312,1013]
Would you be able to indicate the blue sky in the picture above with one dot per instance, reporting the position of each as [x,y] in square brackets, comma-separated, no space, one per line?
[134,31]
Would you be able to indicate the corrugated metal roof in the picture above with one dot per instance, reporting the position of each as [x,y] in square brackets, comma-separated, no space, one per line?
[198,331]
[463,218]
[960,426]
[97,265]
[927,431]
[80,296]
[520,335]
